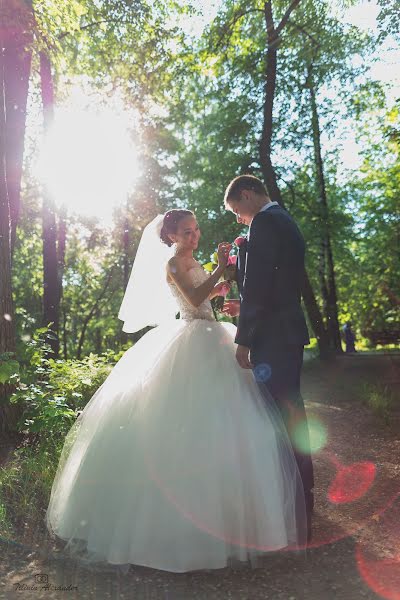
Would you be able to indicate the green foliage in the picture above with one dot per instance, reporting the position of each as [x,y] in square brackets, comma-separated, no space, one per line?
[375,245]
[25,486]
[54,392]
[380,399]
[389,18]
[9,367]
[216,116]
[28,271]
[29,364]
[117,43]
[209,267]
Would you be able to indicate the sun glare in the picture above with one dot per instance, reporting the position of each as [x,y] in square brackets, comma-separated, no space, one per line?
[88,161]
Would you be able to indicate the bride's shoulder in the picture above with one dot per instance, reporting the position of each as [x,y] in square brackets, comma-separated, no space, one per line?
[175,265]
[179,266]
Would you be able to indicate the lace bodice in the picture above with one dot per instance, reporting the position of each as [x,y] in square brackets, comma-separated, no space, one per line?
[187,311]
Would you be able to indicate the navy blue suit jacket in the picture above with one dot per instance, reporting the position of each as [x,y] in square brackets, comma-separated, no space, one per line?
[270,289]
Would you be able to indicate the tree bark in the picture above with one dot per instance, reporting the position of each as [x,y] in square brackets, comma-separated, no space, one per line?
[64,334]
[13,32]
[98,341]
[51,275]
[7,331]
[17,41]
[268,171]
[327,270]
[126,242]
[61,242]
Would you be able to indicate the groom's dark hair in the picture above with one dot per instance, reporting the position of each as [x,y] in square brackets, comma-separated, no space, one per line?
[244,182]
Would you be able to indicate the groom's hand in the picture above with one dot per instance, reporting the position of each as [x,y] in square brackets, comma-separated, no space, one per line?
[243,357]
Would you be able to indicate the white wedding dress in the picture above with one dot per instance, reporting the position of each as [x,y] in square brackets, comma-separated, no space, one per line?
[177,462]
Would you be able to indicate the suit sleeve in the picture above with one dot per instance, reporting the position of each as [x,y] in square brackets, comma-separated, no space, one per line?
[261,264]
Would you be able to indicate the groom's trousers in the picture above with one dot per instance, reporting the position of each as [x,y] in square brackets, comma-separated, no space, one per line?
[278,366]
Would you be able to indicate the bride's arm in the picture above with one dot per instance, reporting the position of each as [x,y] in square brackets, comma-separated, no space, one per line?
[194,295]
[197,295]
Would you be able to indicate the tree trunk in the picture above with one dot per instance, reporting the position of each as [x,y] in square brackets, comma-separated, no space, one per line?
[9,35]
[61,241]
[126,242]
[64,334]
[7,335]
[98,342]
[268,171]
[17,40]
[51,277]
[327,271]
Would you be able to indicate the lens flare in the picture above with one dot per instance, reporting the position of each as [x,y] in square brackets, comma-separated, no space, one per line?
[316,432]
[262,372]
[378,556]
[382,576]
[351,482]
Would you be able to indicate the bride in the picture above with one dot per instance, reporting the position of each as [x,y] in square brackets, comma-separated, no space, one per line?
[177,462]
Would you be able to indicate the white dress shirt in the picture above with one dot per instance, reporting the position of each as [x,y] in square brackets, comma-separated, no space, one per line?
[268,205]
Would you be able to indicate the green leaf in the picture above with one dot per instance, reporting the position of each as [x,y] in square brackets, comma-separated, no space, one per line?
[41,330]
[8,369]
[209,267]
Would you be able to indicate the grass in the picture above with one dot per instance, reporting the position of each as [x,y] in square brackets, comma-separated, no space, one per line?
[379,398]
[25,484]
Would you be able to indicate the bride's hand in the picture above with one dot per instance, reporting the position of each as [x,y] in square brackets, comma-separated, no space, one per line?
[231,308]
[223,254]
[221,289]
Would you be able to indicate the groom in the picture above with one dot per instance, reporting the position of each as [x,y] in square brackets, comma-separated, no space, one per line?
[272,331]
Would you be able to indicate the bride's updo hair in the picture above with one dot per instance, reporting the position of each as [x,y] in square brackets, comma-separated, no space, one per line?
[170,223]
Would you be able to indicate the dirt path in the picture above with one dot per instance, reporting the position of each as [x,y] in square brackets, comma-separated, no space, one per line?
[356,530]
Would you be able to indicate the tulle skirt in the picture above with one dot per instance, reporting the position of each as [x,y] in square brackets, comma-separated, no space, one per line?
[178,461]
